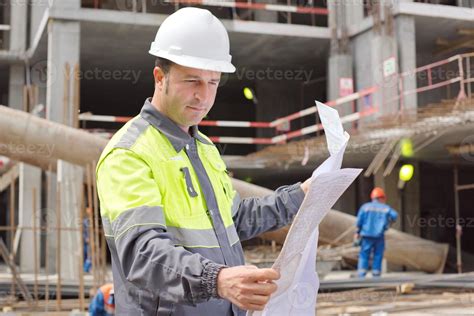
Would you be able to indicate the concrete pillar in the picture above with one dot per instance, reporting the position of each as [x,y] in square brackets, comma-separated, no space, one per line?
[70,184]
[29,216]
[17,34]
[363,64]
[384,47]
[405,32]
[15,87]
[30,177]
[63,54]
[340,66]
[354,11]
[63,49]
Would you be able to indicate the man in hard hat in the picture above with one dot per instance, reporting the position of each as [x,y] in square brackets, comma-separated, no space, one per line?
[373,219]
[172,219]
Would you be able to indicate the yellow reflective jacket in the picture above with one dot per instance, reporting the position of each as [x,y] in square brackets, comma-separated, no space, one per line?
[172,218]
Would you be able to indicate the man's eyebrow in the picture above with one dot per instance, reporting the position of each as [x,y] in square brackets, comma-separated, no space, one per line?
[200,78]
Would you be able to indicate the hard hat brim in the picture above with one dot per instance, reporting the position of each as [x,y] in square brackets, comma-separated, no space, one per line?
[196,62]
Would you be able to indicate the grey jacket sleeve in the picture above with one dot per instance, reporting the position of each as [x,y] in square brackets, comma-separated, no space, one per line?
[149,260]
[254,216]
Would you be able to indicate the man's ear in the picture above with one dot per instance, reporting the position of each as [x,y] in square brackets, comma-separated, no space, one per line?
[159,76]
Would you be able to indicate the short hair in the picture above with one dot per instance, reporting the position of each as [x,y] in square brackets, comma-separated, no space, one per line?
[164,64]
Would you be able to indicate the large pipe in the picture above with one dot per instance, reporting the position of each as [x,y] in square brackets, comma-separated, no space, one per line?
[401,248]
[39,142]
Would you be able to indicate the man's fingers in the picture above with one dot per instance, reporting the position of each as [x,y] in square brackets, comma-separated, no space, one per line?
[261,288]
[264,275]
[254,307]
[259,299]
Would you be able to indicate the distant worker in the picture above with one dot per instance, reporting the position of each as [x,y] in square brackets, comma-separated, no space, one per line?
[373,219]
[103,303]
[86,239]
[172,219]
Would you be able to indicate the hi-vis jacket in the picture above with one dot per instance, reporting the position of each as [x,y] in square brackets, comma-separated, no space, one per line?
[172,218]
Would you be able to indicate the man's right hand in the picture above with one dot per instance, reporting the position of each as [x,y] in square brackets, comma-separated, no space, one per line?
[248,287]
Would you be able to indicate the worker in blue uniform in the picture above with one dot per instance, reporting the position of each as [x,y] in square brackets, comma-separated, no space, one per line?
[103,303]
[373,219]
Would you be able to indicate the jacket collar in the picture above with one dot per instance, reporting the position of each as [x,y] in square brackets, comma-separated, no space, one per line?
[173,132]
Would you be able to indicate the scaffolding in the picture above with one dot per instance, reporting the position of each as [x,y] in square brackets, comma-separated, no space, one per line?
[43,290]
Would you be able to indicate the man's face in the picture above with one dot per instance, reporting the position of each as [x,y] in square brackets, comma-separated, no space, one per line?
[187,94]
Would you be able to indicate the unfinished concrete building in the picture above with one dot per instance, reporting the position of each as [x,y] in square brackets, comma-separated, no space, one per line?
[398,71]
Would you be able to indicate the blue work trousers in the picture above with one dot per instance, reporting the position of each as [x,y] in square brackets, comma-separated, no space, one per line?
[371,246]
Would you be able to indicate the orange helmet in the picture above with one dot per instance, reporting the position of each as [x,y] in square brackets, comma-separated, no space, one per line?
[377,193]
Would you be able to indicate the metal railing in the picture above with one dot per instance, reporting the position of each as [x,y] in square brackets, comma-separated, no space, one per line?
[453,73]
[278,124]
[461,79]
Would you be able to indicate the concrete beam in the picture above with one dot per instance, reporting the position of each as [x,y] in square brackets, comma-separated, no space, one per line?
[154,20]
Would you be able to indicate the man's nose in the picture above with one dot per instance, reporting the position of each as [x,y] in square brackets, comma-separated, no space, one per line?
[202,92]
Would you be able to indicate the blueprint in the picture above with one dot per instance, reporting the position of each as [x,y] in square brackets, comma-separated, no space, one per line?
[299,283]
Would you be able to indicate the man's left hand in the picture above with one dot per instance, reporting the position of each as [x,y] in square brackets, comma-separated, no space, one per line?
[305,185]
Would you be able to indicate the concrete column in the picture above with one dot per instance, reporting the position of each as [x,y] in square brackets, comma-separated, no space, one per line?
[30,177]
[70,184]
[354,11]
[340,66]
[63,52]
[384,47]
[15,87]
[405,32]
[29,204]
[63,49]
[17,34]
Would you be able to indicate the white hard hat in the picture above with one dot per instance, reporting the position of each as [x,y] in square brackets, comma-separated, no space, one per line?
[195,38]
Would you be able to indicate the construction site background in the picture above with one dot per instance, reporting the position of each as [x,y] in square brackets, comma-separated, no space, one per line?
[400,74]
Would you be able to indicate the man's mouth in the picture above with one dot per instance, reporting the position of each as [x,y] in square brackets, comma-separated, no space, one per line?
[197,109]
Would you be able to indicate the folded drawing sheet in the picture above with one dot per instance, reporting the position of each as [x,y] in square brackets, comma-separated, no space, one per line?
[299,282]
